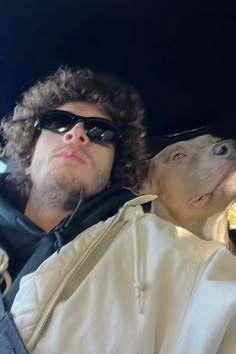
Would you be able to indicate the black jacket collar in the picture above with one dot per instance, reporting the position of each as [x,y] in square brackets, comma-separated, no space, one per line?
[20,237]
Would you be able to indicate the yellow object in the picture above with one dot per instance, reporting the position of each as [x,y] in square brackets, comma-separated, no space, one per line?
[232,217]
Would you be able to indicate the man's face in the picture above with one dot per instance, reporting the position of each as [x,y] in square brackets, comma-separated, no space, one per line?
[70,162]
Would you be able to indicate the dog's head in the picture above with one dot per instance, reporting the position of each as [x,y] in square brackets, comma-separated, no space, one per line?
[194,180]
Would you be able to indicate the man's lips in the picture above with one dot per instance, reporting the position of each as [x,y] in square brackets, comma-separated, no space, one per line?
[74,154]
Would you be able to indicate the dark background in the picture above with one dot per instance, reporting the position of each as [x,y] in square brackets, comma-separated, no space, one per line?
[180,54]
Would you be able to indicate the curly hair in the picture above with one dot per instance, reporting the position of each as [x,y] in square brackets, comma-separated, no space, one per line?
[113,97]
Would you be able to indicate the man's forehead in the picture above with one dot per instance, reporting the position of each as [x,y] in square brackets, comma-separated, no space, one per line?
[84,109]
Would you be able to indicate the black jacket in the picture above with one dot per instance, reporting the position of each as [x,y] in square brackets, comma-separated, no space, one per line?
[28,246]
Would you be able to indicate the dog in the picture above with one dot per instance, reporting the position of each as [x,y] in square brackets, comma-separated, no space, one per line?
[195,181]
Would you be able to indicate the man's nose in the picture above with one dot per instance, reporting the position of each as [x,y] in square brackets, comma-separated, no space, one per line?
[225,148]
[76,134]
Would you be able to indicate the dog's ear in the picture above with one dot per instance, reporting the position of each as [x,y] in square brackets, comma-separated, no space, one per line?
[150,185]
[144,188]
[154,175]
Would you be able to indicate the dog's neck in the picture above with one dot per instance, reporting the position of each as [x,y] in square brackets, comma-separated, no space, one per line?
[214,227]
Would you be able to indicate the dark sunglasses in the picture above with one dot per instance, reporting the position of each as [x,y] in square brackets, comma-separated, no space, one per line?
[99,130]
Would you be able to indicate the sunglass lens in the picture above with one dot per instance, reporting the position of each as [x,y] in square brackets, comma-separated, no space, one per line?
[55,122]
[100,131]
[108,136]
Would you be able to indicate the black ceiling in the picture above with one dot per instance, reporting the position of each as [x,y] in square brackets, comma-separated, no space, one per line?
[180,54]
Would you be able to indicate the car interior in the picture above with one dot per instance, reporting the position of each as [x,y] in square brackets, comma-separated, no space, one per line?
[178,54]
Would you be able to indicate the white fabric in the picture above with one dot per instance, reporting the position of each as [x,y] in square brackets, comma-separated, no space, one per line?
[151,292]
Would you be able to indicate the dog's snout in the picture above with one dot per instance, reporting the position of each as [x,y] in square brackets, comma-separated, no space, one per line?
[220,149]
[224,148]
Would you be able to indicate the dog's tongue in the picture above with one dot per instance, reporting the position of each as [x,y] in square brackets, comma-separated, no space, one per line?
[202,200]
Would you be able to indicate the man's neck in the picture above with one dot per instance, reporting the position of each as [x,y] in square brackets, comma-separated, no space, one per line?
[45,218]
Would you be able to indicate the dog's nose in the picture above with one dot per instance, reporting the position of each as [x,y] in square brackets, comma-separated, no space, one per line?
[224,148]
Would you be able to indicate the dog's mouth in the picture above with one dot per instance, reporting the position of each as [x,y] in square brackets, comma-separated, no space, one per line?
[202,200]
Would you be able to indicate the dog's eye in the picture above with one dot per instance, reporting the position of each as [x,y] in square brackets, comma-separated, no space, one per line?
[178,156]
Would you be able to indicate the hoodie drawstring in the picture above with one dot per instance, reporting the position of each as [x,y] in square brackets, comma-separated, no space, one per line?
[138,282]
[4,275]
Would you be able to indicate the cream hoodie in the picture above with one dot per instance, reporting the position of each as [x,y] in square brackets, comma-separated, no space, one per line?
[129,285]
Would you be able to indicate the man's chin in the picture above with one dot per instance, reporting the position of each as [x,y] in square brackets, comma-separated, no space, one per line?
[67,169]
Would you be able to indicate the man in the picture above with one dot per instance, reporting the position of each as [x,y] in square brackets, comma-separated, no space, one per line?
[121,281]
[53,174]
